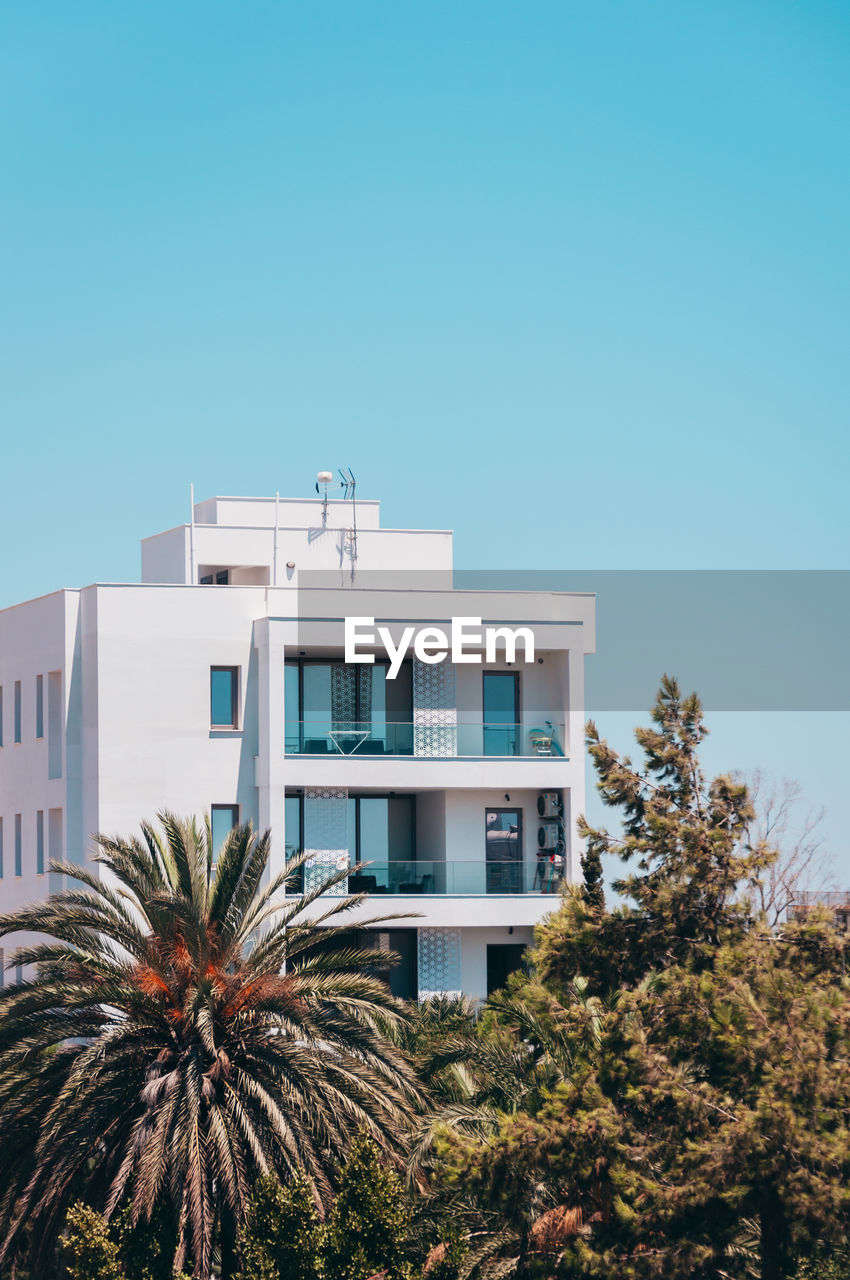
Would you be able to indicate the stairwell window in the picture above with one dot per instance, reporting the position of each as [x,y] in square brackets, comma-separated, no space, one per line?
[39,842]
[39,706]
[19,857]
[17,711]
[1,848]
[224,697]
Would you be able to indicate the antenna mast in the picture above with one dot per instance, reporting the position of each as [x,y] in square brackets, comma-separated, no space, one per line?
[348,486]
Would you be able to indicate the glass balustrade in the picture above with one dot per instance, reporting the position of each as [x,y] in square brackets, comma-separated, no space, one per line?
[323,737]
[543,875]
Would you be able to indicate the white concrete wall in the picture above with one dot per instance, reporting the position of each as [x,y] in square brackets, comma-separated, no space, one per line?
[155,746]
[32,644]
[293,512]
[165,556]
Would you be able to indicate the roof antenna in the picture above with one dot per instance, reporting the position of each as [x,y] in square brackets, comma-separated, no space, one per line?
[325,479]
[349,486]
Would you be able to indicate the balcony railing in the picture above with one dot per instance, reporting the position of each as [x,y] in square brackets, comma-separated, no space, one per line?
[442,878]
[368,738]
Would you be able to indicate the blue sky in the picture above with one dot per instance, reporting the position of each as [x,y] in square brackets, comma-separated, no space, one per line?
[569,278]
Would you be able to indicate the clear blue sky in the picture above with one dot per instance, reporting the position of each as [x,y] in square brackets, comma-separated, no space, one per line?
[569,278]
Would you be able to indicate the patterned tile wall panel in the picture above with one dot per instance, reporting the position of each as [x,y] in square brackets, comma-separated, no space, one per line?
[346,684]
[439,962]
[325,837]
[434,709]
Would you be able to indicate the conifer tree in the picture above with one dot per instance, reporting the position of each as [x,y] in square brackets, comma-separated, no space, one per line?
[686,841]
[704,1107]
[593,888]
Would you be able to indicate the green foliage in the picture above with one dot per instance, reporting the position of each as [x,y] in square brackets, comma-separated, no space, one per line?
[593,885]
[367,1228]
[446,1261]
[282,1237]
[688,841]
[89,1251]
[682,1073]
[146,1249]
[824,1266]
[182,1035]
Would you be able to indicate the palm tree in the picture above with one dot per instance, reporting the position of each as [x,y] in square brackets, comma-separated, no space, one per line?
[183,1034]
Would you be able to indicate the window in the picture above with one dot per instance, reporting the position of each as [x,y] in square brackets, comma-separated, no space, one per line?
[501,713]
[54,724]
[293,836]
[224,697]
[54,847]
[39,843]
[381,831]
[39,706]
[19,974]
[503,850]
[1,715]
[1,848]
[19,870]
[402,978]
[206,579]
[503,959]
[223,818]
[17,710]
[332,706]
[222,578]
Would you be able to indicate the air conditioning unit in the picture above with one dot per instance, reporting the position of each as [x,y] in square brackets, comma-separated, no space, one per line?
[549,804]
[549,835]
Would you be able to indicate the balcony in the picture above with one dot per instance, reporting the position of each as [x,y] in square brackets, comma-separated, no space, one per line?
[442,879]
[322,737]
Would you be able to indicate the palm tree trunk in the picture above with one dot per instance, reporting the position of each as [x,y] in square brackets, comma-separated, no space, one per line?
[229,1260]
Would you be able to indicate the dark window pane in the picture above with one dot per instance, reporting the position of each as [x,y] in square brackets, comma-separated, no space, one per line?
[503,959]
[500,713]
[292,837]
[504,850]
[399,694]
[403,976]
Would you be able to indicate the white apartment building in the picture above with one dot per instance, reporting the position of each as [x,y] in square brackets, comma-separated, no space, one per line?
[219,682]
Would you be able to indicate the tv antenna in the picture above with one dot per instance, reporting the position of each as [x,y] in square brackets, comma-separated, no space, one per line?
[347,488]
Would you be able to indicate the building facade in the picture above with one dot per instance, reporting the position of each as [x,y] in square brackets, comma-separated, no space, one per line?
[219,682]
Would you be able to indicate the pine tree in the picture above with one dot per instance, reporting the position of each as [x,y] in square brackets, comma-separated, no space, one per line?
[687,842]
[593,886]
[704,1108]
